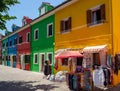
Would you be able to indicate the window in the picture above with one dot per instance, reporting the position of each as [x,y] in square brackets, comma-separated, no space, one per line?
[42,10]
[36,34]
[49,56]
[20,39]
[96,15]
[7,44]
[24,22]
[65,61]
[49,29]
[79,61]
[96,58]
[35,58]
[65,25]
[14,58]
[28,37]
[15,41]
[10,43]
[27,58]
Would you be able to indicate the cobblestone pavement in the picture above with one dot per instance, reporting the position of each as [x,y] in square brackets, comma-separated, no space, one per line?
[14,79]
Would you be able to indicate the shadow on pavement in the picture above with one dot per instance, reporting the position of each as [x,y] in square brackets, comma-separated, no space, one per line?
[24,86]
[114,88]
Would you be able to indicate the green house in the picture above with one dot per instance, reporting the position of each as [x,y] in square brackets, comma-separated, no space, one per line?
[4,51]
[42,42]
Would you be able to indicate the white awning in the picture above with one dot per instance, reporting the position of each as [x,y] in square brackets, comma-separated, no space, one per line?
[95,49]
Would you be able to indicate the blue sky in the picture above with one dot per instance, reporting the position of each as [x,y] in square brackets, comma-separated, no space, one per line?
[27,8]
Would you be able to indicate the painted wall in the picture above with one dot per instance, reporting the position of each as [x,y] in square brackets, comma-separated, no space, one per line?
[44,44]
[12,50]
[24,47]
[116,30]
[116,25]
[81,35]
[4,51]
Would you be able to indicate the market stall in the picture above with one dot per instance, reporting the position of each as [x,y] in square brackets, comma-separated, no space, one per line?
[95,61]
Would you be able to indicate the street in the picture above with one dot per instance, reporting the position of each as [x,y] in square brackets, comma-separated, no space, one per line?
[14,79]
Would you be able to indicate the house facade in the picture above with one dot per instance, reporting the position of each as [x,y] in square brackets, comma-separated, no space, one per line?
[42,42]
[80,24]
[12,50]
[23,57]
[5,51]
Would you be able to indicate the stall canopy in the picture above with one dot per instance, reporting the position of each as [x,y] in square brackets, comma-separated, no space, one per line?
[95,49]
[67,54]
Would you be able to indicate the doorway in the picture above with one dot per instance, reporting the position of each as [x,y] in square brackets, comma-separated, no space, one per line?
[42,58]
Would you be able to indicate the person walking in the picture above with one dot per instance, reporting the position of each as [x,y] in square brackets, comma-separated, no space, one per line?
[47,69]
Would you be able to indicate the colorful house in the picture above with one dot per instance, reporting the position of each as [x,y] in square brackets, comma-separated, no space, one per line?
[12,50]
[5,51]
[1,36]
[80,24]
[23,46]
[42,43]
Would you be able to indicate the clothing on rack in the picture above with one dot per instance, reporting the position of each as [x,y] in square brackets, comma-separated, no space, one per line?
[98,77]
[87,85]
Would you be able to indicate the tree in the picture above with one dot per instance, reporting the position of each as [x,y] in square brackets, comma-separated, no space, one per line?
[4,15]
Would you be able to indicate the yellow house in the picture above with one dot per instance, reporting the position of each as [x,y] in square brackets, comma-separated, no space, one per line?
[81,23]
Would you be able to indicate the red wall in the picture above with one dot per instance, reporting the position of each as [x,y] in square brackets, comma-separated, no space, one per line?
[24,47]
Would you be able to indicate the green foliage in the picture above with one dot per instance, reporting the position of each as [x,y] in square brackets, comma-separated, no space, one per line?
[4,15]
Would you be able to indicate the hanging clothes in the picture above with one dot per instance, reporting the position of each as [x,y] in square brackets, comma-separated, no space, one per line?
[87,60]
[87,85]
[98,77]
[110,61]
[117,63]
[106,76]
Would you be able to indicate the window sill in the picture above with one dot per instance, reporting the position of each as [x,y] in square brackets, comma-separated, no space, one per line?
[50,36]
[35,63]
[65,32]
[97,24]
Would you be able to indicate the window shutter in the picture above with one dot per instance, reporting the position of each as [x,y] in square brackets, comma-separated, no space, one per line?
[103,12]
[69,23]
[89,17]
[61,26]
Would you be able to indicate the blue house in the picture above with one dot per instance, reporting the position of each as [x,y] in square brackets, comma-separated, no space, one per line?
[12,50]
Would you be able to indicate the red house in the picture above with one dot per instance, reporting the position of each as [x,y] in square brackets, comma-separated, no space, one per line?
[23,46]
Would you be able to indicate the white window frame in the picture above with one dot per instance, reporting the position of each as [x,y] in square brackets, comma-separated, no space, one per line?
[24,22]
[48,29]
[34,58]
[38,33]
[40,60]
[27,37]
[52,56]
[95,9]
[42,10]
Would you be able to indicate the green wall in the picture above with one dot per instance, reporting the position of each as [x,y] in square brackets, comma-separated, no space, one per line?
[44,44]
[4,51]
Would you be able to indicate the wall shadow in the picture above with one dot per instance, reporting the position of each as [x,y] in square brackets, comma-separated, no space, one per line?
[24,86]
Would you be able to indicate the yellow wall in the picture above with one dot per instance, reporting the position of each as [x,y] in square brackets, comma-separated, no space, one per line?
[81,35]
[116,33]
[116,25]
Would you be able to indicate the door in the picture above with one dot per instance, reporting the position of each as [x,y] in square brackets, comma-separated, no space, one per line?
[22,58]
[42,58]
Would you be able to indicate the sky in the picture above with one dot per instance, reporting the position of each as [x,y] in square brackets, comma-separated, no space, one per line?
[26,8]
